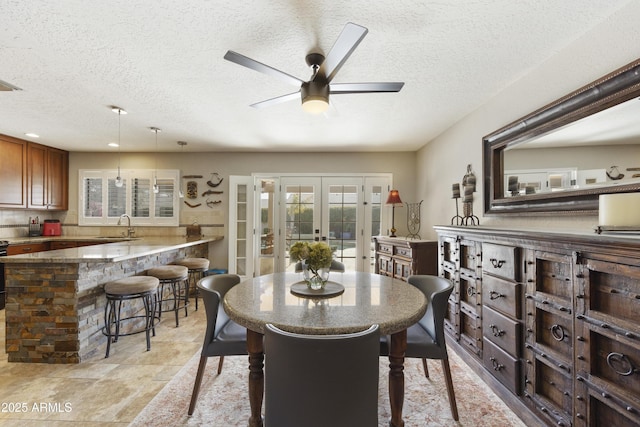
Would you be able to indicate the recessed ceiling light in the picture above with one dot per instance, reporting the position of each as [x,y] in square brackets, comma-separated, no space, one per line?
[32,135]
[113,144]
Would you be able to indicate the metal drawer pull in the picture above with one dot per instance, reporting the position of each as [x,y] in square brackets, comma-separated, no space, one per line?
[622,361]
[471,291]
[496,366]
[497,263]
[557,332]
[497,332]
[495,295]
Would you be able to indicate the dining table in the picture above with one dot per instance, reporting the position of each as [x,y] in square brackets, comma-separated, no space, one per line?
[351,302]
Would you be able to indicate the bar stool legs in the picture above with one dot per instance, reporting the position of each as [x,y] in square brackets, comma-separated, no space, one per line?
[176,277]
[197,269]
[130,288]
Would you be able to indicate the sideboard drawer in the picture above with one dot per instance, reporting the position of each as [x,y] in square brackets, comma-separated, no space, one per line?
[503,331]
[385,249]
[502,295]
[403,252]
[499,260]
[504,367]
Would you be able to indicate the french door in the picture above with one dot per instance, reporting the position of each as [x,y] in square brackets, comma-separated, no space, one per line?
[344,211]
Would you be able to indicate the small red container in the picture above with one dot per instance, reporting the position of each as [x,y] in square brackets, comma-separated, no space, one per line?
[51,227]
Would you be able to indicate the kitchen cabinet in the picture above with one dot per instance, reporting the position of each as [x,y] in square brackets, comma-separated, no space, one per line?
[13,172]
[47,177]
[400,258]
[27,248]
[33,176]
[560,320]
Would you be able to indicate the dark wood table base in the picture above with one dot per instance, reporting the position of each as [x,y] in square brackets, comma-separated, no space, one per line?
[256,376]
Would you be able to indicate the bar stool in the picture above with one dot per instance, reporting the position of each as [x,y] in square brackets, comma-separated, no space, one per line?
[130,288]
[177,277]
[197,269]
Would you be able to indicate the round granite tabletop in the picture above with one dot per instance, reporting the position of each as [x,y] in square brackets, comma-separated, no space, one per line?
[367,299]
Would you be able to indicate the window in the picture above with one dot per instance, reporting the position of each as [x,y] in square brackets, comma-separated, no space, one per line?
[101,202]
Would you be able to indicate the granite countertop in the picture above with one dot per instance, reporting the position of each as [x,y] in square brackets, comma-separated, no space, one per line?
[367,299]
[120,250]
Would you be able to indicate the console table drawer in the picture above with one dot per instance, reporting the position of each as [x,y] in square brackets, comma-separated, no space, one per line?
[502,295]
[504,367]
[499,260]
[502,331]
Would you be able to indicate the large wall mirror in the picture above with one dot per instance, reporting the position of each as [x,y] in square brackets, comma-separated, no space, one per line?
[560,158]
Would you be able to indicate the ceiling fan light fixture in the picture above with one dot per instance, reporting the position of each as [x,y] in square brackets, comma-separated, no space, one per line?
[315,97]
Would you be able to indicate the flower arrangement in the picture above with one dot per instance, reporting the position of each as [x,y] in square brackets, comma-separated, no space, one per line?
[315,255]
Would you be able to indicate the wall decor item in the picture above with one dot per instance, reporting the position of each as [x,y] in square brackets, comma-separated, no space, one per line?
[208,192]
[457,219]
[468,188]
[192,176]
[192,206]
[211,203]
[215,180]
[605,109]
[192,189]
[413,220]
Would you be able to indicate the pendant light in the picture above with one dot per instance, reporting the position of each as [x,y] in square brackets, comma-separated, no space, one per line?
[181,144]
[119,111]
[156,189]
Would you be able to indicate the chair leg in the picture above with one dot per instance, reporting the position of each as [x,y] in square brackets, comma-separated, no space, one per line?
[425,368]
[196,384]
[452,397]
[220,364]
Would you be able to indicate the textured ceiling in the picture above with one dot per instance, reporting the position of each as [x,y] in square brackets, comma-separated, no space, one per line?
[162,61]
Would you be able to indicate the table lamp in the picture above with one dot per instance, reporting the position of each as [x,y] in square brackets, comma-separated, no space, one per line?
[393,200]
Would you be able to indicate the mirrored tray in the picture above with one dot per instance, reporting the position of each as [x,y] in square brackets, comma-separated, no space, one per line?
[331,289]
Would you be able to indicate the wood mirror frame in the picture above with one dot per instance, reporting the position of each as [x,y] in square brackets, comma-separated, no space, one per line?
[614,88]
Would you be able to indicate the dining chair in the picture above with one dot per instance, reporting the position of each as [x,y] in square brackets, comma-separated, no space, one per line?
[425,339]
[223,336]
[335,266]
[321,380]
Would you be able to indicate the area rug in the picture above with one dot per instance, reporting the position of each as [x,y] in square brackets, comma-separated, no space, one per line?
[223,400]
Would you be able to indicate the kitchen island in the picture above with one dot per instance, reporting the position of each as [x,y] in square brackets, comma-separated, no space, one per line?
[55,299]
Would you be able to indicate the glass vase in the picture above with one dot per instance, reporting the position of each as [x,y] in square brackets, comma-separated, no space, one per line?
[315,281]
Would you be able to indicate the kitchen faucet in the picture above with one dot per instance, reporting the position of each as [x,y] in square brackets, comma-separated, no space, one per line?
[130,231]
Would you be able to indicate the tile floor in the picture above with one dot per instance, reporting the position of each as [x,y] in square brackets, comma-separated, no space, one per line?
[98,391]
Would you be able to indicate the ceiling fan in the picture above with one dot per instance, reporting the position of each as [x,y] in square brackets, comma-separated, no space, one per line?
[315,92]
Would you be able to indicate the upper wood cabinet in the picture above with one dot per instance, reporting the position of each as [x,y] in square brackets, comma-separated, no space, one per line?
[13,172]
[47,177]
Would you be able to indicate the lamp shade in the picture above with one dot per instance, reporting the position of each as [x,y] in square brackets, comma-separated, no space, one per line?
[394,198]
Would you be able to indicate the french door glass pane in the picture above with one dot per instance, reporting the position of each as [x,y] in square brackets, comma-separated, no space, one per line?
[266,256]
[375,203]
[299,212]
[342,200]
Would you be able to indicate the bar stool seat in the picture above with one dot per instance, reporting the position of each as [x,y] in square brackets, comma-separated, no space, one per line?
[175,276]
[130,288]
[197,270]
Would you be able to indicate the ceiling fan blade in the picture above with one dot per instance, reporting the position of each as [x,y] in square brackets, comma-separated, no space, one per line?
[277,100]
[338,88]
[348,40]
[262,68]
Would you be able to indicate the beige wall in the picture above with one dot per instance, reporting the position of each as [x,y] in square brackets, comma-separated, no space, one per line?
[443,161]
[401,165]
